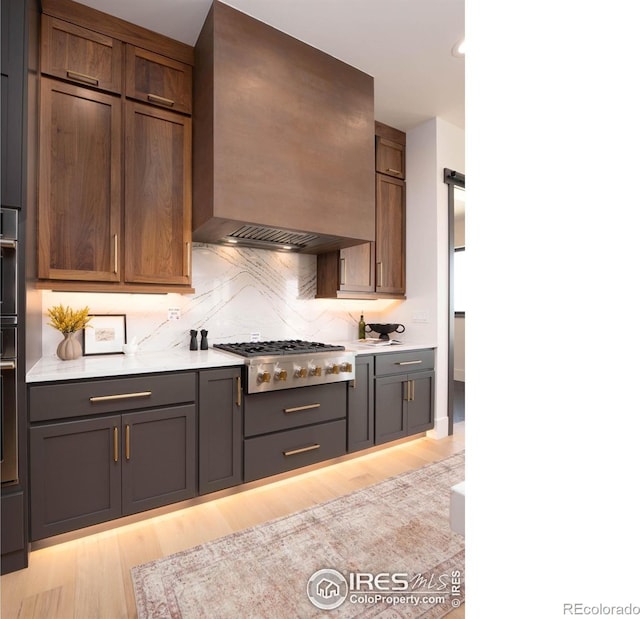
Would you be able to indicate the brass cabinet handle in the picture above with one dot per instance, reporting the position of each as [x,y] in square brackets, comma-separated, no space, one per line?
[120,396]
[8,244]
[127,442]
[115,444]
[409,362]
[161,100]
[405,390]
[7,365]
[394,171]
[189,259]
[296,409]
[412,390]
[379,267]
[343,270]
[238,391]
[293,452]
[115,254]
[81,77]
[353,384]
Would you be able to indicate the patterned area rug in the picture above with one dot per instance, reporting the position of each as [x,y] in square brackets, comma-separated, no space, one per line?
[394,534]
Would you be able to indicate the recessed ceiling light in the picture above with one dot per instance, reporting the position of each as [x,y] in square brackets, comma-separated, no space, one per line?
[459,49]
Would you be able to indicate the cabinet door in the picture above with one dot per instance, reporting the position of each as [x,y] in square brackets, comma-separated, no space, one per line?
[157,196]
[158,457]
[11,105]
[390,235]
[75,475]
[391,411]
[357,268]
[158,80]
[390,157]
[420,404]
[80,55]
[220,435]
[361,406]
[79,193]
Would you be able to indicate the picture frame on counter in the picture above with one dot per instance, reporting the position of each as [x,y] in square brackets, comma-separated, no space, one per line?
[106,334]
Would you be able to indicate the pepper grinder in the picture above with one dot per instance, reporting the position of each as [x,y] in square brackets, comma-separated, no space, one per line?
[204,344]
[194,340]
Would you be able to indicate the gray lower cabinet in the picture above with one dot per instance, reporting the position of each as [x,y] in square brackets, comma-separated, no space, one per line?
[220,429]
[291,428]
[87,469]
[360,418]
[404,394]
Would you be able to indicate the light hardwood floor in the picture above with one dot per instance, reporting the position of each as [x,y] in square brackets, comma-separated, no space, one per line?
[89,577]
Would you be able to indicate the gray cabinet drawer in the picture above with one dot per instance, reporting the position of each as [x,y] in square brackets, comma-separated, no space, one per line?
[285,451]
[292,408]
[403,362]
[93,397]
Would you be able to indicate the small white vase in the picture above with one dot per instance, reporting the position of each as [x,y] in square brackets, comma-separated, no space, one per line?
[69,348]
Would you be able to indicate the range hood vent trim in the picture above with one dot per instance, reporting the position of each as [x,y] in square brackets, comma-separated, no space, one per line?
[276,238]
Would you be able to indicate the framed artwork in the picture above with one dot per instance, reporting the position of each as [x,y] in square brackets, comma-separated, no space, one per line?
[105,335]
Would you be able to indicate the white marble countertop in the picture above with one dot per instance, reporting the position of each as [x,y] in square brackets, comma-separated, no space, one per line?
[99,366]
[103,366]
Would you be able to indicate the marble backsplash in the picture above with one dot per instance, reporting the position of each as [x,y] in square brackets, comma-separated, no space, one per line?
[239,292]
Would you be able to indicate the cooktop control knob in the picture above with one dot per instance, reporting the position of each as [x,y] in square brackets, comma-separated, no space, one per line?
[346,367]
[300,373]
[280,374]
[315,370]
[264,377]
[333,368]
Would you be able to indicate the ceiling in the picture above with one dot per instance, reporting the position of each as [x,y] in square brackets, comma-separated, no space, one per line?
[404,44]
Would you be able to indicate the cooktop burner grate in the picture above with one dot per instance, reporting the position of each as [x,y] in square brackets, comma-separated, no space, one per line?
[277,347]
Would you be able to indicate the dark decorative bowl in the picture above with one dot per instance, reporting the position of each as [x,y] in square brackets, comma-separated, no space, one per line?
[384,329]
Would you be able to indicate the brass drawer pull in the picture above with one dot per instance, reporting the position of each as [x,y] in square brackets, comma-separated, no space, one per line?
[127,442]
[7,365]
[7,243]
[81,77]
[296,409]
[393,171]
[412,390]
[115,254]
[418,362]
[238,391]
[115,444]
[293,452]
[343,268]
[160,100]
[120,396]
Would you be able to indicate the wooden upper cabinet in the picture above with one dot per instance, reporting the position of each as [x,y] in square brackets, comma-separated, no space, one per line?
[157,208]
[390,157]
[390,235]
[80,55]
[79,179]
[346,273]
[158,80]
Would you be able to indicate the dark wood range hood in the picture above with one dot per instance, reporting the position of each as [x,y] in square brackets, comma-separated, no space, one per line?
[283,140]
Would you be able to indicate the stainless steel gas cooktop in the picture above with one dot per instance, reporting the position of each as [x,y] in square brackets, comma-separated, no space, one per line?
[286,364]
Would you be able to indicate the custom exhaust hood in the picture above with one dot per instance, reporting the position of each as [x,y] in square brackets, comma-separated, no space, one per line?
[283,141]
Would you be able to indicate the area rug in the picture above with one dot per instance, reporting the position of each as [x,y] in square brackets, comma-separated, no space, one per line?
[385,551]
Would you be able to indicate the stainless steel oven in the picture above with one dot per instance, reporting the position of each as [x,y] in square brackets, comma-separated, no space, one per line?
[9,343]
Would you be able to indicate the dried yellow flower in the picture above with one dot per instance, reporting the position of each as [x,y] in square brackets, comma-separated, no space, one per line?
[66,320]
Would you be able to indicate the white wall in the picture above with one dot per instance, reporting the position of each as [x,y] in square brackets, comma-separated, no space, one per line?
[431,147]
